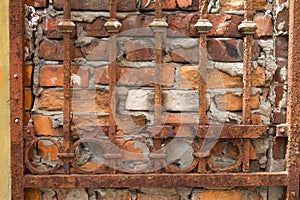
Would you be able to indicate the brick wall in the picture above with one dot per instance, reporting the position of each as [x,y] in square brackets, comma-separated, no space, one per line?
[135,60]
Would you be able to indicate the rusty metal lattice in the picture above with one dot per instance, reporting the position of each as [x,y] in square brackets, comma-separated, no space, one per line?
[67,174]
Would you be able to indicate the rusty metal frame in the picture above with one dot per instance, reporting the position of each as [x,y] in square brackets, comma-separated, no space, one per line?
[168,177]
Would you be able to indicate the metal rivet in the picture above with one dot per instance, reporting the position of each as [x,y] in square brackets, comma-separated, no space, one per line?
[16,120]
[15,75]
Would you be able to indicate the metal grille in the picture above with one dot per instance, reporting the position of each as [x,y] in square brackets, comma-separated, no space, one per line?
[156,173]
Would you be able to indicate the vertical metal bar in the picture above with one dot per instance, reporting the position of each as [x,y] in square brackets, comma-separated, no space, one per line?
[113,26]
[247,28]
[16,27]
[203,26]
[66,26]
[293,109]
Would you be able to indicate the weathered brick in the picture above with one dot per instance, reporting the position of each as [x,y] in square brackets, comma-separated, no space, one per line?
[48,150]
[28,75]
[88,123]
[139,50]
[50,28]
[32,194]
[256,119]
[282,20]
[279,92]
[166,5]
[145,76]
[280,74]
[101,75]
[123,5]
[43,126]
[218,195]
[182,25]
[97,50]
[53,50]
[264,25]
[37,3]
[96,28]
[72,194]
[281,47]
[188,4]
[157,197]
[225,25]
[28,99]
[52,75]
[27,117]
[279,117]
[51,100]
[132,150]
[258,77]
[173,100]
[182,55]
[239,5]
[114,194]
[137,25]
[229,50]
[231,102]
[279,148]
[189,79]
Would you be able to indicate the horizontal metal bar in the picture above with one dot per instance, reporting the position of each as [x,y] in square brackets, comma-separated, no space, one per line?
[157,180]
[232,131]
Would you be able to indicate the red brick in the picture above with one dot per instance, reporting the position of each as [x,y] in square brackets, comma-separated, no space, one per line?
[123,5]
[280,65]
[279,148]
[101,75]
[189,79]
[82,100]
[225,25]
[182,25]
[279,91]
[229,50]
[137,25]
[32,194]
[239,5]
[36,3]
[50,28]
[231,102]
[182,55]
[281,47]
[48,150]
[258,77]
[52,75]
[27,117]
[279,117]
[28,75]
[166,5]
[97,50]
[139,50]
[264,25]
[256,119]
[184,3]
[282,20]
[53,50]
[96,29]
[43,126]
[145,76]
[157,197]
[28,99]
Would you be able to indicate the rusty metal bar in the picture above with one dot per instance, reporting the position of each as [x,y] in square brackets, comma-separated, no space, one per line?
[158,180]
[66,26]
[202,26]
[247,28]
[112,26]
[17,30]
[293,109]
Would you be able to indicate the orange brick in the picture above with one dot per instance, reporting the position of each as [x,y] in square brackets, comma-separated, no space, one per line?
[43,126]
[28,75]
[32,194]
[28,99]
[231,102]
[48,150]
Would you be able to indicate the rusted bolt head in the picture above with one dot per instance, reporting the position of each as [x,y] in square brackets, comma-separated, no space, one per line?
[203,26]
[247,27]
[113,26]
